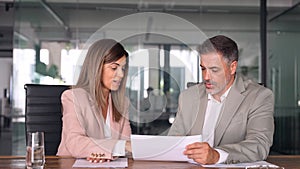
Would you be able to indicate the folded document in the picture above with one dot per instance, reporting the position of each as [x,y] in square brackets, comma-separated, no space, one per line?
[161,148]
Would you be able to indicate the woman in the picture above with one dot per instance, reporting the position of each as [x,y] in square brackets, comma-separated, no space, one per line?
[95,111]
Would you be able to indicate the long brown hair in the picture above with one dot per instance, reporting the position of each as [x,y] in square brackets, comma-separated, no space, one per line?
[90,79]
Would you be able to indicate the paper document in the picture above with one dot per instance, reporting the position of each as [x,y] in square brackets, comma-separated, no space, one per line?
[256,164]
[120,162]
[161,148]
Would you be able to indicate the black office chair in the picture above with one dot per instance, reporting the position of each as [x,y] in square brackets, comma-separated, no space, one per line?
[43,113]
[189,84]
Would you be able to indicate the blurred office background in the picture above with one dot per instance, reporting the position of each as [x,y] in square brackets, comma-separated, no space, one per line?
[42,41]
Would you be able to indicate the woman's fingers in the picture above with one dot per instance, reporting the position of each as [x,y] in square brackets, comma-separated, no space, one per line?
[97,158]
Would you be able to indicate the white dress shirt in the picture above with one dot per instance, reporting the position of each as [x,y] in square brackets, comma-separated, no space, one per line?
[119,149]
[213,110]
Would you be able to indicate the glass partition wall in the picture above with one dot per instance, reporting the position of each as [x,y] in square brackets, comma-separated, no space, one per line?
[161,39]
[284,77]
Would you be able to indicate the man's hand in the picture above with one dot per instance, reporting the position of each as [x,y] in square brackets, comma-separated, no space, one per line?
[202,153]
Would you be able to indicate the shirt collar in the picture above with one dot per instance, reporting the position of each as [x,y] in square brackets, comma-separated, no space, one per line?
[222,97]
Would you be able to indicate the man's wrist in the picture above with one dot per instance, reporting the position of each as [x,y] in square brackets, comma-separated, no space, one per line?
[222,156]
[216,156]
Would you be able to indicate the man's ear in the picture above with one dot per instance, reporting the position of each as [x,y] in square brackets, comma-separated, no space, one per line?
[233,67]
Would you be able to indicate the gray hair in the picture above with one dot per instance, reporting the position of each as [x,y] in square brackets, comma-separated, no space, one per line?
[222,45]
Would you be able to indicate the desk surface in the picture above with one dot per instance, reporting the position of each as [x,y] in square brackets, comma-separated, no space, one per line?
[6,162]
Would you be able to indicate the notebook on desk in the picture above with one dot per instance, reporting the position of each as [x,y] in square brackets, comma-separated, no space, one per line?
[161,148]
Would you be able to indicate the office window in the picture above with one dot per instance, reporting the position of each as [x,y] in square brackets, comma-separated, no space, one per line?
[70,65]
[44,56]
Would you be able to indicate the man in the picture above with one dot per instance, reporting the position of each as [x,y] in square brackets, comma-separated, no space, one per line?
[234,116]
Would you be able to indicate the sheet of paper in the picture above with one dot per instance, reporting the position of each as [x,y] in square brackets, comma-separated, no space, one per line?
[256,164]
[120,162]
[161,148]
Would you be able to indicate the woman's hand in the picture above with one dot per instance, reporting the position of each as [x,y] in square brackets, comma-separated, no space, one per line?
[98,158]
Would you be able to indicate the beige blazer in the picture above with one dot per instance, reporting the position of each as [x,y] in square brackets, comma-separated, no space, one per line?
[83,132]
[244,129]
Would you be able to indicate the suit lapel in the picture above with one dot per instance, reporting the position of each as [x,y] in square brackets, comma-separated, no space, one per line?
[232,103]
[99,118]
[88,113]
[96,112]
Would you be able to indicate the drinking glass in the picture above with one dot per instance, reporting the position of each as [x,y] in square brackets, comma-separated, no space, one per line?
[35,151]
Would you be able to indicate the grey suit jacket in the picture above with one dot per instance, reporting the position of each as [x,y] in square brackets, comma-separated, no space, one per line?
[244,129]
